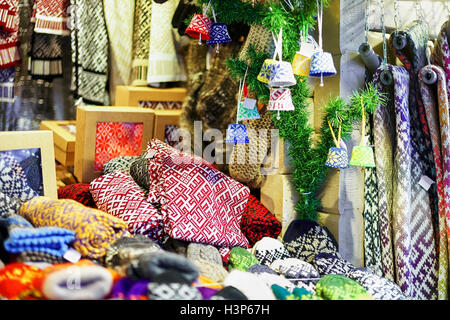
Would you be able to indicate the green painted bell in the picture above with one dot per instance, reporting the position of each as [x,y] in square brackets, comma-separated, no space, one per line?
[362,156]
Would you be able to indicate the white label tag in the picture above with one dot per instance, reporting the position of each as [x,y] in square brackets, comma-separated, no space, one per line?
[72,255]
[307,49]
[425,182]
[249,103]
[150,154]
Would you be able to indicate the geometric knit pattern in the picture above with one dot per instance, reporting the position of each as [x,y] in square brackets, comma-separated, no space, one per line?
[7,78]
[441,54]
[118,194]
[378,287]
[337,287]
[200,203]
[139,172]
[160,105]
[114,139]
[293,268]
[52,17]
[329,264]
[95,230]
[384,139]
[258,222]
[13,185]
[121,164]
[282,75]
[9,48]
[362,156]
[305,239]
[241,259]
[372,246]
[267,250]
[90,53]
[322,65]
[260,38]
[141,42]
[436,107]
[237,133]
[78,192]
[280,100]
[337,158]
[246,113]
[45,56]
[414,229]
[218,34]
[172,291]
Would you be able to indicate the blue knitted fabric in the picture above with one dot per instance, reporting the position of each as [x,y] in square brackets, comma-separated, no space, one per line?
[24,237]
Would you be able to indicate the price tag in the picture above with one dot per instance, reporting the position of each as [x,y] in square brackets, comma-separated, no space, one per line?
[72,255]
[425,182]
[307,49]
[249,103]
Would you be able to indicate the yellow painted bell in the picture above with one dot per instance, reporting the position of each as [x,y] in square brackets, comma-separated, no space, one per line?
[266,70]
[301,65]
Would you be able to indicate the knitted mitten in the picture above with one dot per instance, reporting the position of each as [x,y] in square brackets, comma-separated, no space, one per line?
[121,164]
[267,250]
[337,287]
[78,192]
[171,285]
[241,259]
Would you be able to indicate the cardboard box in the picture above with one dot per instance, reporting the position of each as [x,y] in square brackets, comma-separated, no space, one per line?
[64,140]
[153,98]
[165,118]
[87,121]
[43,140]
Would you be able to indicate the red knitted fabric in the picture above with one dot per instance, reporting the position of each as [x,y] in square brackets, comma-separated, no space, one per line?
[258,222]
[52,17]
[78,192]
[9,33]
[9,9]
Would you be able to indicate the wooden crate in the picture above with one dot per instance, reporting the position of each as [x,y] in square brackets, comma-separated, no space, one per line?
[64,140]
[135,96]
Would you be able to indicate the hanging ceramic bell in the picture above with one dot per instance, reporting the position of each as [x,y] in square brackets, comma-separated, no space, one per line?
[199,28]
[237,133]
[337,156]
[244,113]
[282,75]
[218,34]
[362,156]
[322,65]
[266,70]
[280,100]
[301,64]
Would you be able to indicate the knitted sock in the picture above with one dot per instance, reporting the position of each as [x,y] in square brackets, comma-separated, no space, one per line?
[78,192]
[229,293]
[304,239]
[258,222]
[83,280]
[23,237]
[337,287]
[267,250]
[150,265]
[95,230]
[13,185]
[330,264]
[171,285]
[125,250]
[250,285]
[241,259]
[378,287]
[119,164]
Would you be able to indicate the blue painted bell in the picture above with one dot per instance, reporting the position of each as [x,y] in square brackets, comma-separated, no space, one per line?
[322,65]
[266,70]
[337,158]
[237,133]
[218,34]
[282,75]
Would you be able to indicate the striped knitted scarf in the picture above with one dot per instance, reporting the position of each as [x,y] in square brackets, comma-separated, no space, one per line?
[413,57]
[141,42]
[441,53]
[372,245]
[45,56]
[9,33]
[90,53]
[436,107]
[52,17]
[411,223]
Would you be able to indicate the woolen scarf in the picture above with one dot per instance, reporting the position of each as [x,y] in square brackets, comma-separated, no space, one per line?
[52,17]
[436,106]
[95,230]
[9,38]
[441,53]
[90,53]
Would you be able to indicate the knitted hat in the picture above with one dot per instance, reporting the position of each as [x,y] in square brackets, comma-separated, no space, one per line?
[304,239]
[267,250]
[78,192]
[337,287]
[213,271]
[329,264]
[13,185]
[23,237]
[258,222]
[126,249]
[171,285]
[199,251]
[139,171]
[121,164]
[175,246]
[250,285]
[83,280]
[259,268]
[293,268]
[229,293]
[150,265]
[378,287]
[241,259]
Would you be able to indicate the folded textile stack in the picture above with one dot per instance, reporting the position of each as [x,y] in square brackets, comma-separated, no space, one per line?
[95,230]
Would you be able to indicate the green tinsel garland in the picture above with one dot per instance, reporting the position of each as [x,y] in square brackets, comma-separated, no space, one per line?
[308,158]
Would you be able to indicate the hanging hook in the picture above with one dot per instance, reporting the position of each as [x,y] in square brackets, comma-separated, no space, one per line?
[399,41]
[386,77]
[369,57]
[428,74]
